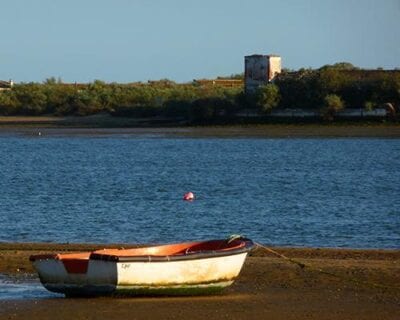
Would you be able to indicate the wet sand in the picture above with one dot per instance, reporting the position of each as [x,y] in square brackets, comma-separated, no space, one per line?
[104,125]
[261,131]
[335,284]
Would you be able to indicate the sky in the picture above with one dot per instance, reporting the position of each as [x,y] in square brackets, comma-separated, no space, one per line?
[182,40]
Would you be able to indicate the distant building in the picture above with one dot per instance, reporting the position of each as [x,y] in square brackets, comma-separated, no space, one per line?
[260,70]
[6,85]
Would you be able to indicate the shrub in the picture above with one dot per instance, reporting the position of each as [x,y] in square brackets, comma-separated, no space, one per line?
[267,97]
[332,104]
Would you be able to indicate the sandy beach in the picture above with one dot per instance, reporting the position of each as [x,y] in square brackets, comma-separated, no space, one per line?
[334,284]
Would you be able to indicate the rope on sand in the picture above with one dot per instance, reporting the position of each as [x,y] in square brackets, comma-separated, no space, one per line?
[310,267]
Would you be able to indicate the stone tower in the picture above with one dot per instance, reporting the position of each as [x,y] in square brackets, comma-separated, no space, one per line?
[260,70]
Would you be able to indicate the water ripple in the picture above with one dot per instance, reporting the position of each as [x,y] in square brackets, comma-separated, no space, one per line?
[301,192]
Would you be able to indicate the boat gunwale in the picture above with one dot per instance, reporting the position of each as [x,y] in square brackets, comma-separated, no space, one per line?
[196,255]
[246,245]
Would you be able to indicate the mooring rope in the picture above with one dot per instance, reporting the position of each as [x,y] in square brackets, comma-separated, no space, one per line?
[310,267]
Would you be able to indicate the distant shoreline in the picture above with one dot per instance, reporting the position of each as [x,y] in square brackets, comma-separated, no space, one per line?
[105,125]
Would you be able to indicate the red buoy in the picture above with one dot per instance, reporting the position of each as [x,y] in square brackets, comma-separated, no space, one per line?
[188,196]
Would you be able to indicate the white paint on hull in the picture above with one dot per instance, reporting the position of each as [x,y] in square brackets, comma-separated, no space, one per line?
[107,276]
[178,272]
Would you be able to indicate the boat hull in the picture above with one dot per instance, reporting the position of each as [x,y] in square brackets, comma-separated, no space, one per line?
[184,277]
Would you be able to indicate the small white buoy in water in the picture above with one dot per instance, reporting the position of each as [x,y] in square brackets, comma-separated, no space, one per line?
[188,196]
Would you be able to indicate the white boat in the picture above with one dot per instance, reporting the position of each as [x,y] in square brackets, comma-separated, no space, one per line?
[173,269]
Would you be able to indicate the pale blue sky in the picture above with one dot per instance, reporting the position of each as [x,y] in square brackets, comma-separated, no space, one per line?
[138,40]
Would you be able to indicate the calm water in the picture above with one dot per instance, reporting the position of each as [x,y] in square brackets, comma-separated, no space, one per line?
[23,287]
[121,188]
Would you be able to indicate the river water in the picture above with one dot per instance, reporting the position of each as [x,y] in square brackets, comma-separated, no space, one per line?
[327,192]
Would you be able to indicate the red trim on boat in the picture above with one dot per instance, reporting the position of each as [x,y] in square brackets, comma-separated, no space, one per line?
[76,265]
[78,262]
[73,262]
[181,251]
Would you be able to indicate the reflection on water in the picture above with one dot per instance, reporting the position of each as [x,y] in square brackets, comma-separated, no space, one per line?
[23,287]
[27,286]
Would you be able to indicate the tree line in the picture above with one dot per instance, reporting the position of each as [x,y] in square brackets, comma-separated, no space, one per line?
[334,87]
[156,98]
[328,89]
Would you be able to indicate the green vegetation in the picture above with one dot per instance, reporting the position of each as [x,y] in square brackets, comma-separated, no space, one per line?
[326,90]
[162,98]
[332,104]
[307,89]
[267,97]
